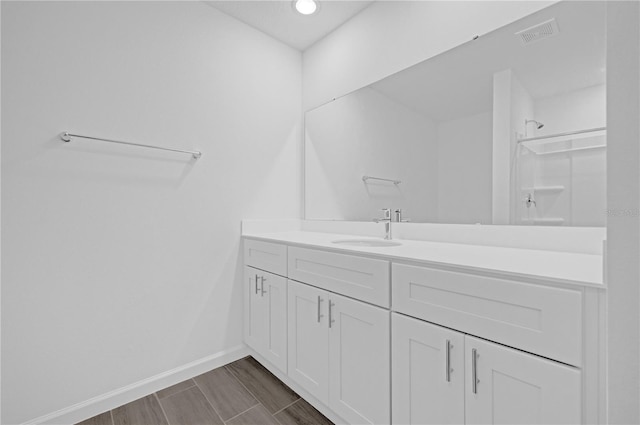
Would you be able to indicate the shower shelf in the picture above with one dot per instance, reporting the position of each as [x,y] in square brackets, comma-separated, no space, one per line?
[543,189]
[562,143]
[587,148]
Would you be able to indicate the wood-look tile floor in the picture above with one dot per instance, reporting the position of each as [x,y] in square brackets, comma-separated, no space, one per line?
[240,393]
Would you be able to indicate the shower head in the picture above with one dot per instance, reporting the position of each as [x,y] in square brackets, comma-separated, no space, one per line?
[539,125]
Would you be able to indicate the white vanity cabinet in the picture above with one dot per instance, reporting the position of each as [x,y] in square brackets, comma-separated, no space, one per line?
[334,347]
[359,361]
[513,387]
[339,352]
[265,300]
[338,341]
[371,339]
[539,319]
[428,373]
[265,325]
[271,257]
[365,279]
[309,339]
[441,376]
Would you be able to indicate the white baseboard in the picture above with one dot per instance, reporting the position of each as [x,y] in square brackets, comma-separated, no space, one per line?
[96,405]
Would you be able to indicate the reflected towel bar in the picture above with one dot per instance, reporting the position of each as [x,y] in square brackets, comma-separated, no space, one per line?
[365,178]
[66,137]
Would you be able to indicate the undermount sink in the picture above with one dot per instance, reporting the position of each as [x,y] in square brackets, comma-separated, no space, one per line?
[366,242]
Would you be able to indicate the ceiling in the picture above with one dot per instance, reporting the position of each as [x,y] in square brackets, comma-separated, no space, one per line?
[279,20]
[459,82]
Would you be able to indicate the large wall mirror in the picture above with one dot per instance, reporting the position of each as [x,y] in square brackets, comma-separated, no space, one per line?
[506,129]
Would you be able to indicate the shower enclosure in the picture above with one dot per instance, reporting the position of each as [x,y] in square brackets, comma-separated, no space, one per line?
[560,179]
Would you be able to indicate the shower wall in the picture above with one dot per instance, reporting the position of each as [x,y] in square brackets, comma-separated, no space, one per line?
[512,104]
[572,184]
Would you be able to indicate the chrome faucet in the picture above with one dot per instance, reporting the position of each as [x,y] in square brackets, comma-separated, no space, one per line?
[386,219]
[399,218]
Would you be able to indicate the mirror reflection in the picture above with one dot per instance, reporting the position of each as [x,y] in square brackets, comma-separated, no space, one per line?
[506,129]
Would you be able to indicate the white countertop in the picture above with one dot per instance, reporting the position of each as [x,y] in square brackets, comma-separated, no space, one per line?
[561,267]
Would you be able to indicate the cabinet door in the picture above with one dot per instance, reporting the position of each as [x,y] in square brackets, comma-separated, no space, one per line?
[273,291]
[359,361]
[309,339]
[513,387]
[423,391]
[254,311]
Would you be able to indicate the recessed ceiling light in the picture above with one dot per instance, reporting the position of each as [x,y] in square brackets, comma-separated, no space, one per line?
[305,7]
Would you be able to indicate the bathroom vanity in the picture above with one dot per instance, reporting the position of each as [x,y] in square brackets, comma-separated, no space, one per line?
[457,322]
[419,333]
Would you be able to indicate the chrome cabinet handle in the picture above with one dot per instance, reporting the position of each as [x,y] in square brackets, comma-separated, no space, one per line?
[448,361]
[319,313]
[256,284]
[262,291]
[331,304]
[474,371]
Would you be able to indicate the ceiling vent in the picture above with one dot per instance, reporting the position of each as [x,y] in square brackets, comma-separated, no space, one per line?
[538,32]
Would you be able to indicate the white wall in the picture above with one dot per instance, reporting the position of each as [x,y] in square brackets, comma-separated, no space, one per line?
[0,220]
[577,110]
[500,151]
[623,202]
[367,133]
[389,36]
[464,169]
[121,263]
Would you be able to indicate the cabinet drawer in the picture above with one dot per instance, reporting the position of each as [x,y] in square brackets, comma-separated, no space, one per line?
[539,319]
[366,279]
[271,257]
